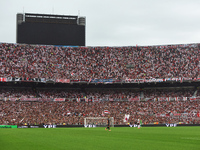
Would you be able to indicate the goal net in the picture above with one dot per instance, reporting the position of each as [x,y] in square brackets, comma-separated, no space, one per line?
[98,121]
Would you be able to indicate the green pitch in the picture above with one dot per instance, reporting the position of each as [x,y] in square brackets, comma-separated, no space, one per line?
[146,138]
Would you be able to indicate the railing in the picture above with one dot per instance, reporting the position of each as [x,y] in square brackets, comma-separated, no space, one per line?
[92,99]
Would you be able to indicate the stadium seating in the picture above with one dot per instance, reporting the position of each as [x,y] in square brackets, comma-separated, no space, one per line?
[57,106]
[14,110]
[73,112]
[86,63]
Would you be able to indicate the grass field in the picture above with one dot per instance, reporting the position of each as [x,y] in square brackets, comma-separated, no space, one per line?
[124,138]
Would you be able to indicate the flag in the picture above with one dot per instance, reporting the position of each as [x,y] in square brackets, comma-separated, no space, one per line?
[184,98]
[68,113]
[106,112]
[102,114]
[126,117]
[86,99]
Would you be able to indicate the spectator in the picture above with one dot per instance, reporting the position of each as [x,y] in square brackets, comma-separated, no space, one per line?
[85,63]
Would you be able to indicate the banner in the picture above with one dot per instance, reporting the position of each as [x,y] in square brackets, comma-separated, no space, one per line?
[105,81]
[187,79]
[96,100]
[148,99]
[30,80]
[184,98]
[154,80]
[163,98]
[28,99]
[8,126]
[59,99]
[160,80]
[90,100]
[44,99]
[178,98]
[101,81]
[3,79]
[177,114]
[12,98]
[134,99]
[198,98]
[79,81]
[82,99]
[17,79]
[111,99]
[196,79]
[192,98]
[63,80]
[9,79]
[43,80]
[67,99]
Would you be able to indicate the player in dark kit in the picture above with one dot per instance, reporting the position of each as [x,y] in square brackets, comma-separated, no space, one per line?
[108,127]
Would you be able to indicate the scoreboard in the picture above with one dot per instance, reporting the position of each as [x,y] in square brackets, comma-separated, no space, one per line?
[50,29]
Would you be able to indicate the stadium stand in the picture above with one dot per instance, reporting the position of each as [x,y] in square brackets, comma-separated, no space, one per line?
[34,64]
[73,113]
[86,63]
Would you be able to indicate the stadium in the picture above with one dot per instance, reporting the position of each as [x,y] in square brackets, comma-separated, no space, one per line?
[74,89]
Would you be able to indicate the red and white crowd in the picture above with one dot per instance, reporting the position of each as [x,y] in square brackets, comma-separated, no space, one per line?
[85,63]
[73,113]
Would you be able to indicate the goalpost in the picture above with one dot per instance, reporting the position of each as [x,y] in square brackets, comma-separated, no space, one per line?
[98,121]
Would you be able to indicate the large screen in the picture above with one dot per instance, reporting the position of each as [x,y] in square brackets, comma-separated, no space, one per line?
[51,34]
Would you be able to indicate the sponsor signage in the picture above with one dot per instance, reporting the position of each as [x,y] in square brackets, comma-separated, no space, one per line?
[90,126]
[171,125]
[22,127]
[167,125]
[49,126]
[8,126]
[34,126]
[133,125]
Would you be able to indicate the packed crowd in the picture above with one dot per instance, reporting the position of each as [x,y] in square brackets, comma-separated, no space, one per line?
[73,113]
[169,92]
[198,91]
[17,93]
[85,63]
[60,93]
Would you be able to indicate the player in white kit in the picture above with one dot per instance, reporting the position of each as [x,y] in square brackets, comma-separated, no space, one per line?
[138,122]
